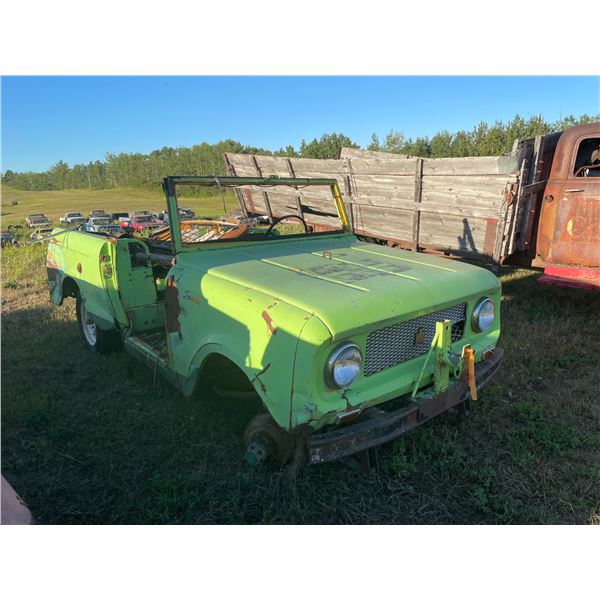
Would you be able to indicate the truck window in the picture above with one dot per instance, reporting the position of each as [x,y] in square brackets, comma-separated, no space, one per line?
[587,163]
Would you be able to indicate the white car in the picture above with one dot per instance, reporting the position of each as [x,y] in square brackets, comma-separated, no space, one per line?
[36,220]
[40,233]
[73,218]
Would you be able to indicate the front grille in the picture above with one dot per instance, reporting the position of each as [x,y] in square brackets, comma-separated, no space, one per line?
[395,344]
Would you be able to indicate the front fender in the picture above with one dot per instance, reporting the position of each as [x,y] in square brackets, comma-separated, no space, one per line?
[257,332]
[189,382]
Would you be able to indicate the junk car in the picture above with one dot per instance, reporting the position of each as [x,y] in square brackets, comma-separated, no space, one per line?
[346,344]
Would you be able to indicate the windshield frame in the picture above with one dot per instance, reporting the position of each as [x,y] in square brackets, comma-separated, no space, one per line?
[170,188]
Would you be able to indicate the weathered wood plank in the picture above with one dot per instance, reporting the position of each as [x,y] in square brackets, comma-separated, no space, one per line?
[386,166]
[471,165]
[386,222]
[358,153]
[465,234]
[417,200]
[292,173]
[238,194]
[320,193]
[383,185]
[264,194]
[408,206]
[278,164]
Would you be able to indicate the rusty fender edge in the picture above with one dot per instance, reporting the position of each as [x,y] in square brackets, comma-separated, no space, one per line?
[381,426]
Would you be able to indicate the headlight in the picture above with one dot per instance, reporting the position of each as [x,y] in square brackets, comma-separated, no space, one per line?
[343,365]
[483,315]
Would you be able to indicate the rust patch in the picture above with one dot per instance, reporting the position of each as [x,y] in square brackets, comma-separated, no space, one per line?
[249,200]
[269,321]
[172,307]
[490,236]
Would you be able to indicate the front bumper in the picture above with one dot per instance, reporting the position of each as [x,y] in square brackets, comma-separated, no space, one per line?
[378,426]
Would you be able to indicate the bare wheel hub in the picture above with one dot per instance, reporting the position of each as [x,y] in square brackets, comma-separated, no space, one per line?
[264,438]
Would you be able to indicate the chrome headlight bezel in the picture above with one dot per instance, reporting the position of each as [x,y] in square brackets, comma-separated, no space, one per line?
[334,357]
[481,319]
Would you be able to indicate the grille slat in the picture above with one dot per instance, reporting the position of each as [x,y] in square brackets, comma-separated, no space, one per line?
[395,344]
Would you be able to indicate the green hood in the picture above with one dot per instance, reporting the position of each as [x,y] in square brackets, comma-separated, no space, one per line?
[348,284]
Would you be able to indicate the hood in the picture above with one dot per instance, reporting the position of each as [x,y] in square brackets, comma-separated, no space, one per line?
[348,284]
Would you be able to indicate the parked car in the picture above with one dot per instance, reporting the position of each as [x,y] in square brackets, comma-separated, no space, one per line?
[73,218]
[117,216]
[103,224]
[36,220]
[141,222]
[42,232]
[97,213]
[183,214]
[7,238]
[346,344]
[140,213]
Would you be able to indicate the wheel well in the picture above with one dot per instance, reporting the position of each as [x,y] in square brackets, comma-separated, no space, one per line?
[224,387]
[220,372]
[69,288]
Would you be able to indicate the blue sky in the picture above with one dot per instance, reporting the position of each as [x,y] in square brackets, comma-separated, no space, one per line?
[78,119]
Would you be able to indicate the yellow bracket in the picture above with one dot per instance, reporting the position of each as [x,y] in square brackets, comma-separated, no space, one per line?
[469,355]
[440,345]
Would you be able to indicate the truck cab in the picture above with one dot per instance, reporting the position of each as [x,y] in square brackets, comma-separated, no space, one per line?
[345,344]
[568,240]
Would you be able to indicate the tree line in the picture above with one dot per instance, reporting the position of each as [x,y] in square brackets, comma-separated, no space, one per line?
[147,170]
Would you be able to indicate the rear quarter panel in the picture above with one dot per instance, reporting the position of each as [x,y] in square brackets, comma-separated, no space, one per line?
[76,255]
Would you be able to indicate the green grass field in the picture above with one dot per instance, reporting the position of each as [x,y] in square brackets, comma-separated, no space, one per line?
[85,440]
[55,204]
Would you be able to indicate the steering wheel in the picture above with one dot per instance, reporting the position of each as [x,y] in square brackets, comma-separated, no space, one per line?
[278,220]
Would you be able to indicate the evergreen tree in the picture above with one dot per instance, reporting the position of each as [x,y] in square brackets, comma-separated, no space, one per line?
[147,170]
[329,145]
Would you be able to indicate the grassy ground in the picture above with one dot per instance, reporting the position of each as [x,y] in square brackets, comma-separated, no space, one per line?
[84,441]
[55,204]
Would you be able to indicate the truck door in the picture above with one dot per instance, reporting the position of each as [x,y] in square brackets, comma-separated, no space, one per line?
[570,219]
[577,227]
[136,286]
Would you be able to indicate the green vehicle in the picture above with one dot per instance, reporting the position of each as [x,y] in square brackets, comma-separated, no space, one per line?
[347,344]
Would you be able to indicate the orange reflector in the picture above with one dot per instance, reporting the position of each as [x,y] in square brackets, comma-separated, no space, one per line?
[348,415]
[489,353]
[470,355]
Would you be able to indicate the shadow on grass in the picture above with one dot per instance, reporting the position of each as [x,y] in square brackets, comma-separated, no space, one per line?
[84,440]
